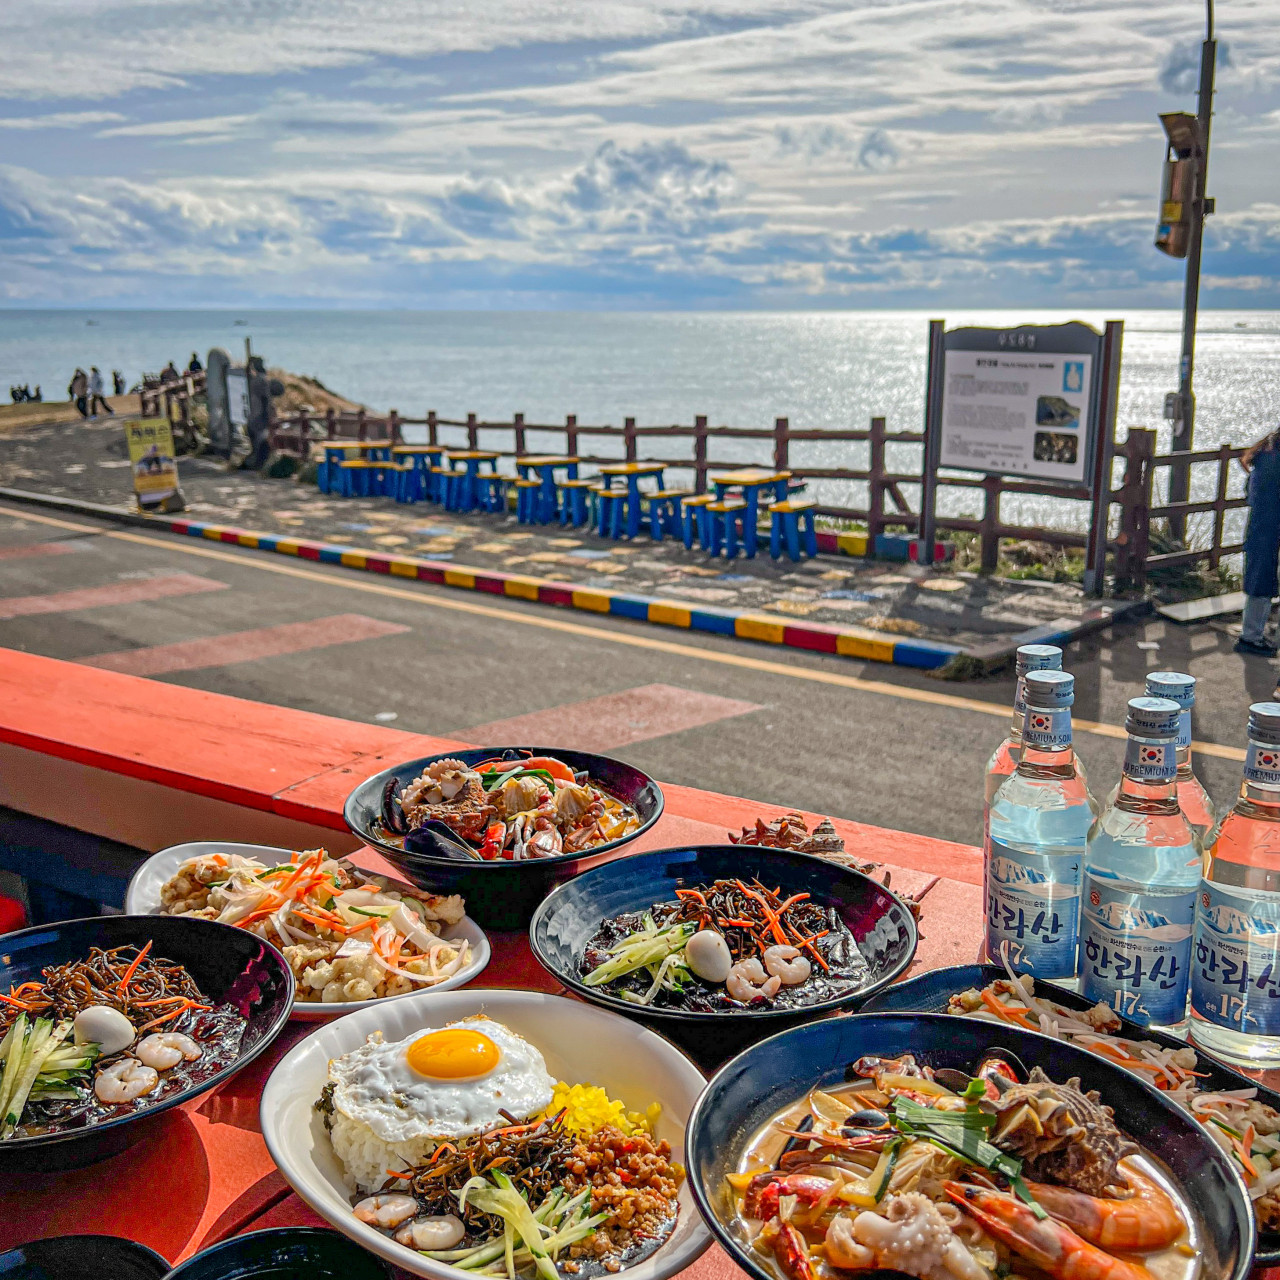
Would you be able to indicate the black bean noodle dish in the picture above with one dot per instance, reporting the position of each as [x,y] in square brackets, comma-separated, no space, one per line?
[726,946]
[103,1037]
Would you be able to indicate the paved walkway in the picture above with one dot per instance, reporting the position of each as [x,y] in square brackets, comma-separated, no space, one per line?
[899,601]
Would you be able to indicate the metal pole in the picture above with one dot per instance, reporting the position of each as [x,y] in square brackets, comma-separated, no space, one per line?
[1184,428]
[927,527]
[1095,559]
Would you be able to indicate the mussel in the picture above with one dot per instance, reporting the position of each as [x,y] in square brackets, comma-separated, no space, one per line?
[1001,1066]
[392,814]
[438,840]
[868,1120]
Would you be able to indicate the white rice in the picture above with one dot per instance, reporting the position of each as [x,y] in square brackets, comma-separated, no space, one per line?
[366,1157]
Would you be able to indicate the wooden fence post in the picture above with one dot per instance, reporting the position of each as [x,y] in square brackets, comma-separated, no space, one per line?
[473,434]
[1220,505]
[875,476]
[571,434]
[629,438]
[1134,497]
[700,452]
[361,426]
[393,422]
[990,531]
[330,423]
[781,443]
[518,422]
[433,427]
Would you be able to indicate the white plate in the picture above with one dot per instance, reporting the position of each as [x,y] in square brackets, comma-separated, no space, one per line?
[581,1044]
[142,898]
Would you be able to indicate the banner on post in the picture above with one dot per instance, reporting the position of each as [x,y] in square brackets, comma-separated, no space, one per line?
[153,463]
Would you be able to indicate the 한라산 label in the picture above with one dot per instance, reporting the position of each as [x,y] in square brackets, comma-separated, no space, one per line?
[1151,761]
[1262,764]
[1135,951]
[1033,908]
[1184,729]
[1235,966]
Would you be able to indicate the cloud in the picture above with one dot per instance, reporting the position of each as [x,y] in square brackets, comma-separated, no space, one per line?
[59,120]
[878,151]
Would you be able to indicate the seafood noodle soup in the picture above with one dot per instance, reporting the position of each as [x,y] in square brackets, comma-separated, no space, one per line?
[508,809]
[946,1176]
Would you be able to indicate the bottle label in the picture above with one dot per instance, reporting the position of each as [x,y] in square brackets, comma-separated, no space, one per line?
[1151,761]
[1262,764]
[1033,909]
[1020,697]
[1049,729]
[1135,951]
[1184,729]
[1235,972]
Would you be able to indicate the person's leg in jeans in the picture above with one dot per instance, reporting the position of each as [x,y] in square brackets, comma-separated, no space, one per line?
[1257,612]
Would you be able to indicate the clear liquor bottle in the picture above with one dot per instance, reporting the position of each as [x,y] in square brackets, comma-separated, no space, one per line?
[1034,852]
[1235,971]
[1194,800]
[1140,880]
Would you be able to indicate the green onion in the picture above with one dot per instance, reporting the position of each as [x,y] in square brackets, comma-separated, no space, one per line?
[638,951]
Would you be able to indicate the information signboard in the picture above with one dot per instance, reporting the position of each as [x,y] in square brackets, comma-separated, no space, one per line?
[238,397]
[1020,402]
[154,464]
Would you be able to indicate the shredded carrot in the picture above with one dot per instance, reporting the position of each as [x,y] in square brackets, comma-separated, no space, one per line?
[795,897]
[185,1007]
[17,1004]
[769,914]
[147,1004]
[691,893]
[133,968]
[440,1150]
[1007,1013]
[1246,1152]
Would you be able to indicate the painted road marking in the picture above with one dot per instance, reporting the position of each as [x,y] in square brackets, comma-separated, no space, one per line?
[614,720]
[158,588]
[424,596]
[40,549]
[245,646]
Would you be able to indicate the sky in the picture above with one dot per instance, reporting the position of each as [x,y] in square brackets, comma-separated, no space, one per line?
[626,154]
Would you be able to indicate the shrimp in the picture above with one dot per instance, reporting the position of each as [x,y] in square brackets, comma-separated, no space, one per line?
[747,980]
[123,1081]
[790,1249]
[386,1210]
[767,1189]
[1147,1220]
[1054,1248]
[787,965]
[165,1049]
[432,1233]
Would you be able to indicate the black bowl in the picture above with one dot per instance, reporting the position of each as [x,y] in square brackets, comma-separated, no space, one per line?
[568,919]
[228,964]
[930,992]
[284,1254]
[500,894]
[771,1075]
[82,1258]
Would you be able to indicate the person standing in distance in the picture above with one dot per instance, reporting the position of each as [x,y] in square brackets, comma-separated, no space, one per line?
[1261,545]
[78,390]
[96,390]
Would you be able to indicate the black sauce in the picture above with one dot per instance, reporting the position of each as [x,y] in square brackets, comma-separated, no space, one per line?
[848,969]
[218,1032]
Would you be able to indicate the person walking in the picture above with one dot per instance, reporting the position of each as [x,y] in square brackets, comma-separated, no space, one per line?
[78,390]
[117,382]
[1261,545]
[96,396]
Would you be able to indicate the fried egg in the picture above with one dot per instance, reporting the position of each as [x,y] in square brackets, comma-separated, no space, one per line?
[445,1083]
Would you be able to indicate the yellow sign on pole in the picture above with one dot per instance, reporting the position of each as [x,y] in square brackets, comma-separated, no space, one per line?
[154,463]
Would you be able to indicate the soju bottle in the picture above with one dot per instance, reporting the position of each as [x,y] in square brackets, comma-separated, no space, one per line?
[1140,880]
[1030,657]
[1034,852]
[1194,800]
[1235,971]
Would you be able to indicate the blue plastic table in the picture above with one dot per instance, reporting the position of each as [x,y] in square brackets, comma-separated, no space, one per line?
[633,473]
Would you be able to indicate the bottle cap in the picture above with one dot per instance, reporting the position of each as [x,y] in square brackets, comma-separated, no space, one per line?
[1264,723]
[1053,689]
[1038,657]
[1155,718]
[1172,684]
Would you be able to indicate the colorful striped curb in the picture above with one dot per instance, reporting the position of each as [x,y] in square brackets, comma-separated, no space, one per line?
[815,637]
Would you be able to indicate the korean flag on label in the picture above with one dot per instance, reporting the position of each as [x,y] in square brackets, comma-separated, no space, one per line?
[1151,755]
[1267,760]
[1041,723]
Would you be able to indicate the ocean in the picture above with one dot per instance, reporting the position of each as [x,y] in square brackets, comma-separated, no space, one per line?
[818,369]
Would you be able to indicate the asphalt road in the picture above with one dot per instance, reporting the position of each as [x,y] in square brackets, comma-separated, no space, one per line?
[865,741]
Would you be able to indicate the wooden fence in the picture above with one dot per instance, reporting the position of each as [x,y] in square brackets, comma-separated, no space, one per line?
[886,506]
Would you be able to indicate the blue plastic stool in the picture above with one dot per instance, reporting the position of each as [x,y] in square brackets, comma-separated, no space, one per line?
[353,478]
[785,525]
[664,512]
[724,525]
[613,507]
[694,519]
[492,491]
[527,500]
[574,496]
